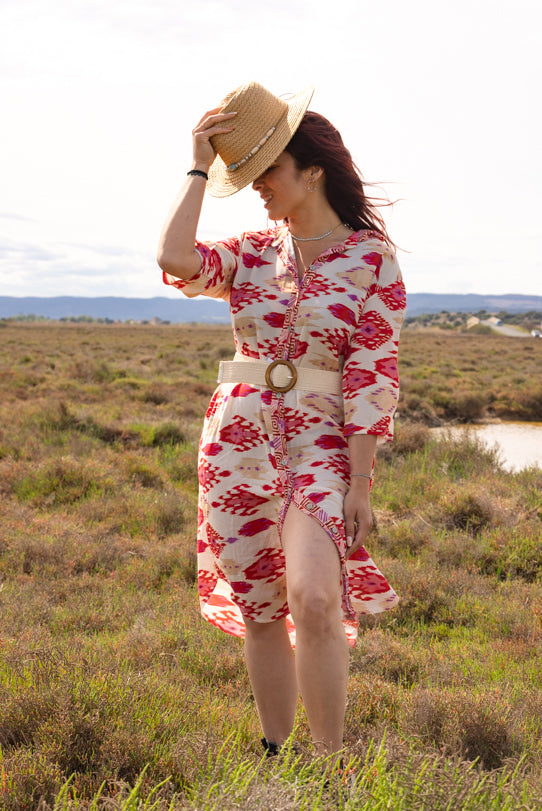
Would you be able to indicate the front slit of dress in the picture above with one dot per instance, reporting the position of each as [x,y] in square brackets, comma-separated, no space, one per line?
[280,445]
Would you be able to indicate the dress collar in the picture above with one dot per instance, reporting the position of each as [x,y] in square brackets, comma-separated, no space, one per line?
[280,238]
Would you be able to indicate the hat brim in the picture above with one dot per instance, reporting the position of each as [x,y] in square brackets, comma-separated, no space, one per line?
[223,181]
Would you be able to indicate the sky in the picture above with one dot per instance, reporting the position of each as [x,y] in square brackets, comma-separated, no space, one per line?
[438,101]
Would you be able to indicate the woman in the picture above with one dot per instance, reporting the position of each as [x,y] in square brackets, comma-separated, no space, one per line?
[288,444]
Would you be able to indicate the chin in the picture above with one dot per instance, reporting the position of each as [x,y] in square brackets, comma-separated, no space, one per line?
[273,214]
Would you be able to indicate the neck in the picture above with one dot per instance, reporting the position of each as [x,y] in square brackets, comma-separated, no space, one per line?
[313,222]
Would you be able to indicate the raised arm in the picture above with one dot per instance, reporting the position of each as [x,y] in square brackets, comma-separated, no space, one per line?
[176,254]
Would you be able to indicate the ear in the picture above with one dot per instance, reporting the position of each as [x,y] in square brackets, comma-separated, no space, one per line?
[315,173]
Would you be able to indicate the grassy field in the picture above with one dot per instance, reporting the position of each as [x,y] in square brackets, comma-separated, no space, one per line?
[466,377]
[114,694]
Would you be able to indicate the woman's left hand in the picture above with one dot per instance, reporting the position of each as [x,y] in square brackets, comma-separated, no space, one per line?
[358,517]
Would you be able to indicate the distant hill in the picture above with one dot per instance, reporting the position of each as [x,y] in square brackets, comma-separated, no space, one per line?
[425,303]
[181,310]
[176,310]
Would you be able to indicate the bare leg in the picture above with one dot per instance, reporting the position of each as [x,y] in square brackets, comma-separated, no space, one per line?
[271,669]
[314,598]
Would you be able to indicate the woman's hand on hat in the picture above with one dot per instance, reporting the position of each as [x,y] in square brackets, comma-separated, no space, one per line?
[212,123]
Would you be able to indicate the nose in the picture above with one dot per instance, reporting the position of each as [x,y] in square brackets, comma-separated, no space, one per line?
[258,183]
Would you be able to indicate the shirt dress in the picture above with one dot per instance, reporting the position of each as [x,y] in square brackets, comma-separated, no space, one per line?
[261,451]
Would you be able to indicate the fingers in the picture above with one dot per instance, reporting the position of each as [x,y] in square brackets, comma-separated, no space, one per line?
[358,523]
[350,528]
[212,121]
[211,124]
[214,111]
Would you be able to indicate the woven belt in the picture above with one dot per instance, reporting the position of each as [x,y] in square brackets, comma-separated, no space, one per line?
[278,375]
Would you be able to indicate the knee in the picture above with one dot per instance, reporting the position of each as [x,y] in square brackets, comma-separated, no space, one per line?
[314,608]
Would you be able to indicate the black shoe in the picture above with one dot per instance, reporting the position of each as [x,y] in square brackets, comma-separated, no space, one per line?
[271,749]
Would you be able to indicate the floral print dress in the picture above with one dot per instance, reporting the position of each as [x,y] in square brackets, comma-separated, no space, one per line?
[261,451]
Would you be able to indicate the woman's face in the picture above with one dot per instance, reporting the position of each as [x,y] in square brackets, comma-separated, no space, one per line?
[282,187]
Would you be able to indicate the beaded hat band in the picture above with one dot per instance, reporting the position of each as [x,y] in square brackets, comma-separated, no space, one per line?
[264,125]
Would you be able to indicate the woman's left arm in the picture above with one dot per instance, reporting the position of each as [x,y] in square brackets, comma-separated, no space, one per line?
[371,385]
[357,507]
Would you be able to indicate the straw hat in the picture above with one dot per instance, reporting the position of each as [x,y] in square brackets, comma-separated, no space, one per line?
[263,127]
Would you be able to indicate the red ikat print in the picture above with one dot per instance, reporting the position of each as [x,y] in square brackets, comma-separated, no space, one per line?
[241,433]
[261,452]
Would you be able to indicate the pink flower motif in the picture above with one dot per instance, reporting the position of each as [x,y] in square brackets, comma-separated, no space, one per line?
[260,241]
[240,501]
[251,609]
[245,294]
[368,583]
[360,554]
[211,449]
[343,313]
[374,259]
[269,566]
[255,527]
[227,621]
[214,405]
[242,390]
[335,339]
[206,583]
[356,379]
[388,368]
[300,349]
[335,255]
[219,601]
[393,296]
[216,541]
[241,433]
[274,319]
[245,349]
[373,331]
[240,587]
[208,475]
[295,422]
[329,441]
[251,261]
[305,480]
[382,427]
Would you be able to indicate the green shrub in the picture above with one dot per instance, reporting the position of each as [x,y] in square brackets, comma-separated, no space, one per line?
[61,482]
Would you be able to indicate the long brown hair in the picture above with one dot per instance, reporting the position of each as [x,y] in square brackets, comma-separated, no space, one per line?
[316,142]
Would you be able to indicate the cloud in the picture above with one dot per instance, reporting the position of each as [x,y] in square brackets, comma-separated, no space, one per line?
[61,269]
[9,215]
[101,99]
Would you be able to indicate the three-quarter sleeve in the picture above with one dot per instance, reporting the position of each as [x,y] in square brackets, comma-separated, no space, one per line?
[370,375]
[219,261]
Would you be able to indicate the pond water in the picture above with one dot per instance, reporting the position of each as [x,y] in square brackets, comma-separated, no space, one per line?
[520,443]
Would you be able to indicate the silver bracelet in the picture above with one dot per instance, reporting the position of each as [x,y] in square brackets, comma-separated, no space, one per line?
[365,476]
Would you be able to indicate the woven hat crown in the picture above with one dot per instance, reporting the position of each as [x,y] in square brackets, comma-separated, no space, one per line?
[263,126]
[258,111]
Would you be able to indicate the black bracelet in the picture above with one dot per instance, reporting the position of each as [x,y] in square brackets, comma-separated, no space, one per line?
[198,173]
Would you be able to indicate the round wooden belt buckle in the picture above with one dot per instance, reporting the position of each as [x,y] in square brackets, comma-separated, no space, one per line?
[291,383]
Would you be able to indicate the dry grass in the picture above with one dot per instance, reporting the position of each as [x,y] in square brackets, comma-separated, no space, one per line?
[469,377]
[109,677]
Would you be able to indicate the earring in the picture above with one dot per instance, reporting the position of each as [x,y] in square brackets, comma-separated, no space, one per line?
[312,185]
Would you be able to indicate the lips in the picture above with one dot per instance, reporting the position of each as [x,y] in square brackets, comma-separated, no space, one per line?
[267,200]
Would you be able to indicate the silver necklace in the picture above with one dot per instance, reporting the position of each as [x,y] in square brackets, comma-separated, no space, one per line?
[313,239]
